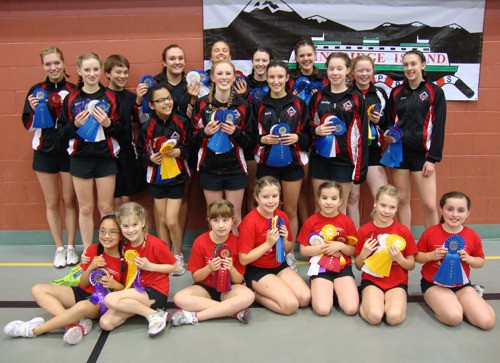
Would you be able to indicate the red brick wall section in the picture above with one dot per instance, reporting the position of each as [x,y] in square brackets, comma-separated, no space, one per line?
[140,30]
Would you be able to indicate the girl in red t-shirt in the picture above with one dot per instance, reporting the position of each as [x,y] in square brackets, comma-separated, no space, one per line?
[340,245]
[277,286]
[214,254]
[70,305]
[451,304]
[385,295]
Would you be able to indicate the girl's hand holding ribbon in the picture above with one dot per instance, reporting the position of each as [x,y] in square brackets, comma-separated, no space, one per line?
[156,158]
[141,91]
[283,232]
[143,263]
[289,139]
[33,101]
[374,117]
[370,246]
[272,237]
[98,262]
[227,263]
[228,127]
[440,253]
[332,248]
[101,117]
[389,139]
[81,118]
[193,88]
[325,129]
[465,257]
[270,139]
[240,86]
[108,282]
[212,127]
[395,253]
[174,153]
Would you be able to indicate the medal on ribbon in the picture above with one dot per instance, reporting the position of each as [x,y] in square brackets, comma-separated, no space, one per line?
[99,290]
[199,77]
[327,146]
[222,278]
[92,130]
[42,118]
[372,130]
[133,273]
[149,81]
[393,154]
[315,239]
[451,272]
[277,222]
[169,168]
[380,262]
[220,142]
[279,155]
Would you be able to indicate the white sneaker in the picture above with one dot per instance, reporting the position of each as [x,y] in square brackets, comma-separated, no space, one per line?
[157,322]
[60,258]
[291,261]
[182,317]
[479,289]
[71,256]
[74,334]
[18,328]
[180,262]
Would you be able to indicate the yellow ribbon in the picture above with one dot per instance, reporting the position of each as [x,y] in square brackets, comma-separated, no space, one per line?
[328,232]
[381,261]
[169,168]
[132,270]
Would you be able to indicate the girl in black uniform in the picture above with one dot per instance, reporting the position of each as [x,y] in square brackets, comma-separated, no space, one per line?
[92,162]
[418,107]
[350,162]
[50,159]
[222,174]
[363,69]
[278,107]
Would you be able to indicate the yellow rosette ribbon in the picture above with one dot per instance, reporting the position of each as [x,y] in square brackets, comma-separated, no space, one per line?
[380,262]
[328,232]
[169,168]
[132,270]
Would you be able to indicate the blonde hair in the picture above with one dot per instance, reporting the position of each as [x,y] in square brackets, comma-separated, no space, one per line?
[85,57]
[53,50]
[132,208]
[212,87]
[389,190]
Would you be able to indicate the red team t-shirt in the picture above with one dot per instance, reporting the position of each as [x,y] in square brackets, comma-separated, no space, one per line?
[398,275]
[113,265]
[435,236]
[252,233]
[317,221]
[156,251]
[203,252]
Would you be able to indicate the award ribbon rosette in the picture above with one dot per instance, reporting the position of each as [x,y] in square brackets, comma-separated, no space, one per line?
[169,168]
[393,154]
[99,290]
[277,222]
[199,77]
[380,262]
[327,146]
[149,81]
[222,278]
[133,273]
[42,118]
[310,89]
[372,131]
[71,279]
[92,130]
[300,85]
[220,142]
[280,155]
[55,101]
[257,93]
[315,239]
[240,77]
[451,272]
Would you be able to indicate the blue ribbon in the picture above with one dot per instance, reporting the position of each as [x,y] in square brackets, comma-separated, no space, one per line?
[88,131]
[257,93]
[42,118]
[280,155]
[450,272]
[99,291]
[393,154]
[280,244]
[220,142]
[149,81]
[327,146]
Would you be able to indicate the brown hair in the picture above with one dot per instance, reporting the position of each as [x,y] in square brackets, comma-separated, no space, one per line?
[80,60]
[164,58]
[454,194]
[220,208]
[347,61]
[115,60]
[328,185]
[305,43]
[54,50]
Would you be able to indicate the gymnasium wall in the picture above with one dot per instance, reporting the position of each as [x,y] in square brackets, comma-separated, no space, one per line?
[140,30]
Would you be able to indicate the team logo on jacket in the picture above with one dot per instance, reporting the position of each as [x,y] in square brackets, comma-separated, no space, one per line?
[346,106]
[291,111]
[423,96]
[175,136]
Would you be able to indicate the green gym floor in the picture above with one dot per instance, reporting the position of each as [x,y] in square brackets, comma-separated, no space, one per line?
[268,337]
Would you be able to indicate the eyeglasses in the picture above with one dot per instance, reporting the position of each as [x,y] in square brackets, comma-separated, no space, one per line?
[163,99]
[112,233]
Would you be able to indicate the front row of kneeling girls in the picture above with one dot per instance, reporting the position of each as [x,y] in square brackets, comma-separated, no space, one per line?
[328,237]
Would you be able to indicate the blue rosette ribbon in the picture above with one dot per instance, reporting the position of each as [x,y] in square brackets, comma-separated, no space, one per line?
[42,118]
[451,272]
[301,85]
[92,130]
[149,81]
[201,77]
[99,290]
[310,89]
[220,142]
[393,154]
[277,222]
[280,155]
[257,93]
[327,146]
